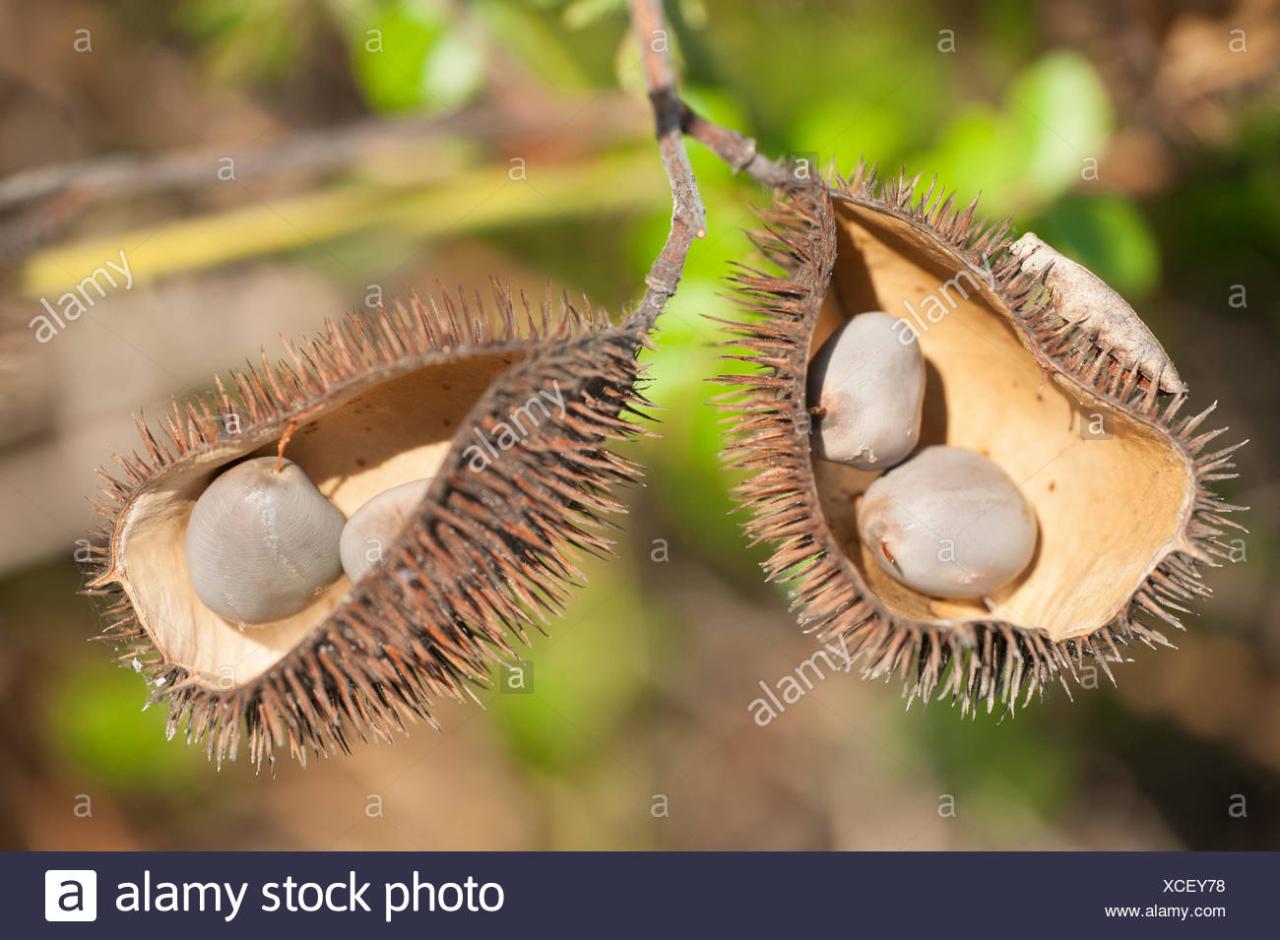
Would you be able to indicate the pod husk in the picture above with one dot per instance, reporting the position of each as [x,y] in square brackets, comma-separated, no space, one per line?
[377,400]
[1126,522]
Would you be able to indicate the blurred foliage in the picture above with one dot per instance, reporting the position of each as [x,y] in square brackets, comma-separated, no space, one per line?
[1225,221]
[1026,762]
[243,40]
[1109,236]
[577,687]
[99,725]
[414,55]
[1034,148]
[868,91]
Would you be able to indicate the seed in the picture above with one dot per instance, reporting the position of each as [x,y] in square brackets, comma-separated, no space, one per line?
[866,388]
[376,525]
[262,543]
[948,523]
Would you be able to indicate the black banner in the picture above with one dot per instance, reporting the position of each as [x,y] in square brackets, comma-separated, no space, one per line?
[994,894]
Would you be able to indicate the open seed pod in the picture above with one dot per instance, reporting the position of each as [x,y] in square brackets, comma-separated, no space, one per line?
[1114,474]
[507,411]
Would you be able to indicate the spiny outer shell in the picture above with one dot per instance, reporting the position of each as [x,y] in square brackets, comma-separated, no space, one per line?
[966,662]
[394,644]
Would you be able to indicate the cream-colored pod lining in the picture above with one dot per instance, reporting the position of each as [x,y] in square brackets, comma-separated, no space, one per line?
[1109,508]
[393,432]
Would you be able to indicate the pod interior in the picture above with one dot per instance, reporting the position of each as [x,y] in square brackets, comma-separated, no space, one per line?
[1111,492]
[361,444]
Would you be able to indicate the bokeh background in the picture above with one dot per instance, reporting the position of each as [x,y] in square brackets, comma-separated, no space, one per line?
[382,146]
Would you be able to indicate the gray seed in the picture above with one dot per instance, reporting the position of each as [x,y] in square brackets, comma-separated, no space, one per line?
[261,545]
[1083,298]
[867,384]
[375,526]
[948,523]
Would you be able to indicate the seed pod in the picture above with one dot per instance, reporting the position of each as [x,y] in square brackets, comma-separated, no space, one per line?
[1086,301]
[262,542]
[375,526]
[866,388]
[510,410]
[1114,473]
[948,523]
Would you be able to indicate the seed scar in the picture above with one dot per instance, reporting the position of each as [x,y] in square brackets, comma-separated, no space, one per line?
[289,430]
[884,550]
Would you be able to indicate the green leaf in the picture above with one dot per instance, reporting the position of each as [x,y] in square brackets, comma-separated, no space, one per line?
[975,155]
[1060,117]
[412,55]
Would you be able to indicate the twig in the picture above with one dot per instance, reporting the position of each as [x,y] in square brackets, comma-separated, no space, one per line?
[734,149]
[673,121]
[37,206]
[423,209]
[688,217]
[328,148]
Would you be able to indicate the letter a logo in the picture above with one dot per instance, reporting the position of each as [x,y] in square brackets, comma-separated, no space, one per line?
[70,895]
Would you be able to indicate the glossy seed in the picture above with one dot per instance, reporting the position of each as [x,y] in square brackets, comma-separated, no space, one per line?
[262,544]
[948,523]
[866,392]
[375,526]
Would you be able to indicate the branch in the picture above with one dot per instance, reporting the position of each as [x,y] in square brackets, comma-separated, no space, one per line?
[688,217]
[734,149]
[38,206]
[674,120]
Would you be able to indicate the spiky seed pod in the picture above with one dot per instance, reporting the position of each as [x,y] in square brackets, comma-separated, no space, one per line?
[1115,473]
[509,409]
